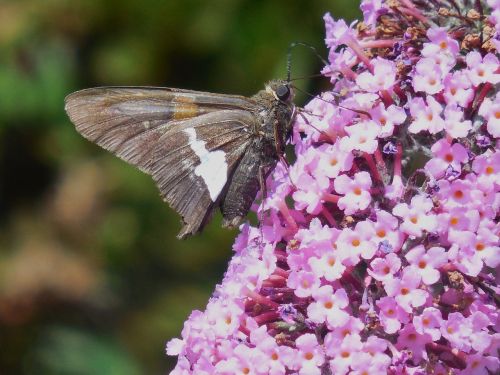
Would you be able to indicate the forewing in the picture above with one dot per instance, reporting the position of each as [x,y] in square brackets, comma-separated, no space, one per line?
[129,121]
[195,159]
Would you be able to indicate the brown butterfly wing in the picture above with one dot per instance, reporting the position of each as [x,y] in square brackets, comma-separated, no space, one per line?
[190,142]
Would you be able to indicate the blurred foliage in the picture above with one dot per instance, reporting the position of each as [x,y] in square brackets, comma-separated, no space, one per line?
[92,279]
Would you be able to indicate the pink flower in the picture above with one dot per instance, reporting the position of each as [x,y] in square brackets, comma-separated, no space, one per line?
[426,263]
[371,10]
[310,354]
[441,43]
[487,168]
[353,244]
[416,216]
[387,235]
[383,77]
[406,290]
[310,191]
[344,354]
[362,137]
[383,269]
[328,264]
[426,116]
[445,156]
[275,359]
[303,283]
[456,329]
[329,306]
[477,364]
[429,322]
[490,110]
[455,125]
[391,315]
[337,32]
[428,77]
[356,192]
[333,160]
[455,193]
[413,341]
[457,89]
[387,118]
[482,69]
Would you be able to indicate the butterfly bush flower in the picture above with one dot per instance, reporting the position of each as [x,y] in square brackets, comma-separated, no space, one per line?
[376,251]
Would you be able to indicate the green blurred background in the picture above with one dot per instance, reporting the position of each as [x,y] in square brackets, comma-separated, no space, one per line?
[92,278]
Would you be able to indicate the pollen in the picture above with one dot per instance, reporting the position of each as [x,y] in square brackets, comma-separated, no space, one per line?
[480,246]
[454,220]
[489,170]
[328,305]
[381,233]
[355,242]
[308,356]
[357,191]
[448,158]
[422,264]
[459,194]
[414,219]
[405,291]
[333,162]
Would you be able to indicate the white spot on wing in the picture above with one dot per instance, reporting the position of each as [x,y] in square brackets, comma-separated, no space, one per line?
[213,165]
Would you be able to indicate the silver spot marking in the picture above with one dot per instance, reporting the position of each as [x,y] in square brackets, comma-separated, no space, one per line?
[213,165]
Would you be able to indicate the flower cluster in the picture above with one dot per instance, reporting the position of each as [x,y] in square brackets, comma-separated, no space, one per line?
[377,249]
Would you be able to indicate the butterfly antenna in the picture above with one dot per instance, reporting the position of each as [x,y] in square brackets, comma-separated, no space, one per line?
[289,56]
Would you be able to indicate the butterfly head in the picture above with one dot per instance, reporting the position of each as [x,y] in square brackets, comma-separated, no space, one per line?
[281,90]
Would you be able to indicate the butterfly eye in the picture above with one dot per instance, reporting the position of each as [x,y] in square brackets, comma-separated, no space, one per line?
[283,92]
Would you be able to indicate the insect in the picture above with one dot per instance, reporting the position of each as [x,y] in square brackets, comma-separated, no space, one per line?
[204,150]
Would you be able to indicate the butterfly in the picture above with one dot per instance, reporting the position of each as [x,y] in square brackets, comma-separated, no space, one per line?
[205,151]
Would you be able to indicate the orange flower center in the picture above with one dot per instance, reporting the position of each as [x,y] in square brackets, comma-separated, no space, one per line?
[355,242]
[381,233]
[405,291]
[448,158]
[422,264]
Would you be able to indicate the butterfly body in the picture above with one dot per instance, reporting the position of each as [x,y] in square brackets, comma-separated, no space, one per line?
[203,150]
